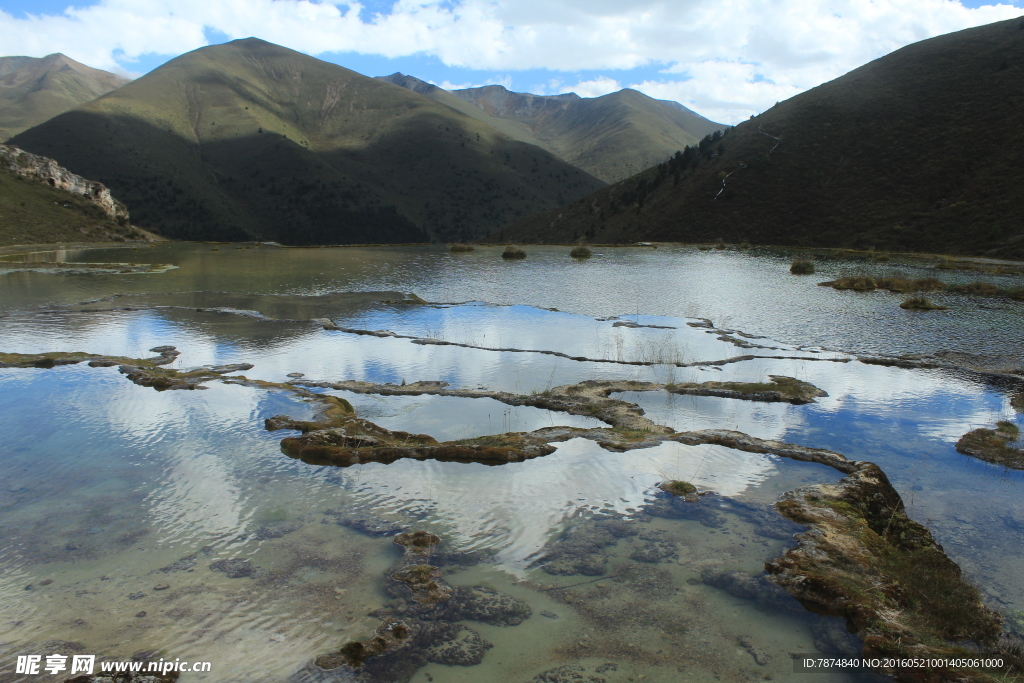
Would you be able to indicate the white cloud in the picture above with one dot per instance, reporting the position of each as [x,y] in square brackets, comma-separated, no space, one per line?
[724,58]
[595,87]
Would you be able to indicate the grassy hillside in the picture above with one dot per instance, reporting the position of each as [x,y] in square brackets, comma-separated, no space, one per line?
[32,212]
[610,137]
[33,90]
[249,140]
[919,150]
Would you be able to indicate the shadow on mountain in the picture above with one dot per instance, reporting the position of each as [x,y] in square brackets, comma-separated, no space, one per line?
[918,150]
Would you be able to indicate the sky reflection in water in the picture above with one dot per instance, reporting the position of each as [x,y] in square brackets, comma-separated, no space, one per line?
[197,470]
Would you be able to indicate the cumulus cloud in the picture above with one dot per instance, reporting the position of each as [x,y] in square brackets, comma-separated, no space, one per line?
[725,58]
[594,87]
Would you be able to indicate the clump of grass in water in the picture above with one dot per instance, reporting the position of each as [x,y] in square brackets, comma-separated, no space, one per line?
[935,588]
[900,284]
[581,252]
[513,253]
[677,487]
[920,303]
[801,267]
[1018,402]
[459,247]
[978,288]
[858,283]
[1008,428]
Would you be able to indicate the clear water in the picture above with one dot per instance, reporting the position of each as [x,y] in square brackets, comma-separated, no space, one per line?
[106,484]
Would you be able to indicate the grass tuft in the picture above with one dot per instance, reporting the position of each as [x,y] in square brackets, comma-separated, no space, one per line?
[677,487]
[1008,428]
[858,283]
[934,587]
[581,252]
[513,253]
[801,267]
[977,288]
[459,247]
[920,303]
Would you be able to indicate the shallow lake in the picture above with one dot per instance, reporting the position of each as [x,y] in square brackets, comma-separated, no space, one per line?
[124,511]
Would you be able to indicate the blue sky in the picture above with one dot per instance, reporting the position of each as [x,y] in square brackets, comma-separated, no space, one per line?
[725,59]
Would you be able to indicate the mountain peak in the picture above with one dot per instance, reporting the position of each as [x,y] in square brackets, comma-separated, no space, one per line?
[34,89]
[256,141]
[409,82]
[915,151]
[251,42]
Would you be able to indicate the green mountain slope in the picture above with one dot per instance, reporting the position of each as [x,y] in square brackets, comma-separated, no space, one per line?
[919,150]
[249,140]
[611,137]
[33,90]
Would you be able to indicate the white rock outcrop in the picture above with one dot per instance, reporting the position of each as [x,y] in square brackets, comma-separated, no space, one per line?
[46,170]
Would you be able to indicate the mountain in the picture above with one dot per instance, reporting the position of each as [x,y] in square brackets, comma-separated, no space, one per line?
[250,140]
[43,203]
[33,90]
[919,150]
[610,137]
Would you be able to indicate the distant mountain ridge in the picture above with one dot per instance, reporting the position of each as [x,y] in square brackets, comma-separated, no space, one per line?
[250,140]
[919,150]
[610,137]
[33,90]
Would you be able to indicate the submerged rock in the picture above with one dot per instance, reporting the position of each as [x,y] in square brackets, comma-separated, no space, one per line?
[125,677]
[418,543]
[365,523]
[458,646]
[758,588]
[576,673]
[413,578]
[183,565]
[234,568]
[277,530]
[430,611]
[483,604]
[423,582]
[579,550]
[391,635]
[759,655]
[697,508]
[765,519]
[654,551]
[832,637]
[395,651]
